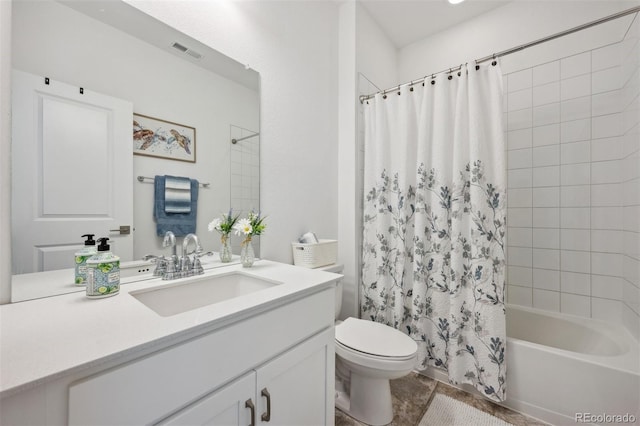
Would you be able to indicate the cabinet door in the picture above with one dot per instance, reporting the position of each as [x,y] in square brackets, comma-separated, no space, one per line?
[231,405]
[297,387]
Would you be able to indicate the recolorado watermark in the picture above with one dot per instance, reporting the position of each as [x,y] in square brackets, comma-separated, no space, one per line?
[604,418]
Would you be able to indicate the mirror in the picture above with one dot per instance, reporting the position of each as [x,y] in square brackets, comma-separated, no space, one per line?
[112,48]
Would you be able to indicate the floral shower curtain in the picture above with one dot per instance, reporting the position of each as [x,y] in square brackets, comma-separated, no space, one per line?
[435,222]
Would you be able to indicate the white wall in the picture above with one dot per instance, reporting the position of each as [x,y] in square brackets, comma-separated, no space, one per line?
[347,158]
[48,37]
[5,153]
[294,46]
[366,56]
[376,55]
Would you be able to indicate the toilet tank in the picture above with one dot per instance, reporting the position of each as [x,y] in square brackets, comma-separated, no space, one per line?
[336,268]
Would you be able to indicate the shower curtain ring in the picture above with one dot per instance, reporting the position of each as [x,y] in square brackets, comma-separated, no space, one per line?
[494,62]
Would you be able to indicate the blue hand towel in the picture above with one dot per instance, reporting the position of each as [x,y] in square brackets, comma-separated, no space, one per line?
[180,224]
[177,194]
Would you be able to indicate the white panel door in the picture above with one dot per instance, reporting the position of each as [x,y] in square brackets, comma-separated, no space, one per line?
[72,172]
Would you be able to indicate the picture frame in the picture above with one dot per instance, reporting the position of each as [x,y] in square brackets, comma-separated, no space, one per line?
[154,137]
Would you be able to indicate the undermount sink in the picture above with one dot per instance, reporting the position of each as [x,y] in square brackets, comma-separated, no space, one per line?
[198,292]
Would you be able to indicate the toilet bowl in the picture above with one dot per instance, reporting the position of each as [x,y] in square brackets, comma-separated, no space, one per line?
[368,355]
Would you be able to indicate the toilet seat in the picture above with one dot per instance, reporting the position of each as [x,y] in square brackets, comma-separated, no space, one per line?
[372,361]
[372,340]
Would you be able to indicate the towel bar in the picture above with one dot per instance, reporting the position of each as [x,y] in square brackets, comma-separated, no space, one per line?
[146,178]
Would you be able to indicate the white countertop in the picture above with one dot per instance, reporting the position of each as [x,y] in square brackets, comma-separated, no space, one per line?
[31,286]
[44,338]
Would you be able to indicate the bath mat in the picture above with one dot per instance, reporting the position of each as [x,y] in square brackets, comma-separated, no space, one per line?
[446,411]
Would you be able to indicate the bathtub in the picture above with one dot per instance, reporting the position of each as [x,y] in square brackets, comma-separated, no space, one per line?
[561,366]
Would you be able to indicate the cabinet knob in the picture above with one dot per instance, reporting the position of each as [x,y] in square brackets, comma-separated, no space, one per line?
[249,404]
[266,416]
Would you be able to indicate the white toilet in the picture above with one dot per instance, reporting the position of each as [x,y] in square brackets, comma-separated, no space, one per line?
[368,355]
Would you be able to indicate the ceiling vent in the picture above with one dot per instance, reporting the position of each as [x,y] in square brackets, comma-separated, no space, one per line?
[185,49]
[194,54]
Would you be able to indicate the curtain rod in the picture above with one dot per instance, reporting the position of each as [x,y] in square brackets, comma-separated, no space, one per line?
[515,49]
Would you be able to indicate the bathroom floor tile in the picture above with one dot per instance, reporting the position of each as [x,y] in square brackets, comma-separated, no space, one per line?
[413,394]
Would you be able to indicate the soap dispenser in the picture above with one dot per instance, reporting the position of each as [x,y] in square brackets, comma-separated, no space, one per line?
[81,257]
[103,272]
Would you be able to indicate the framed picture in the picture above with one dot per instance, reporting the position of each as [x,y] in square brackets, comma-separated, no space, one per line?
[163,139]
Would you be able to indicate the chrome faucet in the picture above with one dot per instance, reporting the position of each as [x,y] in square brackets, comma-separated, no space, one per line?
[185,244]
[185,263]
[170,241]
[175,267]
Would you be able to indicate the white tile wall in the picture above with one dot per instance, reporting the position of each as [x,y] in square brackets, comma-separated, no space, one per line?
[576,130]
[546,197]
[546,73]
[245,178]
[546,135]
[573,155]
[546,299]
[575,152]
[627,240]
[548,238]
[574,304]
[606,149]
[575,217]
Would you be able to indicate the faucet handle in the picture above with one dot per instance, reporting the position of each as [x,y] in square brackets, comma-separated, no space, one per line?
[170,272]
[202,254]
[185,266]
[196,267]
[161,266]
[169,239]
[160,261]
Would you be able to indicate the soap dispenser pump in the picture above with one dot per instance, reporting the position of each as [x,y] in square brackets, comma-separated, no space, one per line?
[81,257]
[103,272]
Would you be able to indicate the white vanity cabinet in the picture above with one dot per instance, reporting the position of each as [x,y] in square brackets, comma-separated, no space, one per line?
[280,361]
[289,390]
[233,405]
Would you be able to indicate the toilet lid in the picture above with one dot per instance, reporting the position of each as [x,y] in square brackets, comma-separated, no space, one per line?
[374,338]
